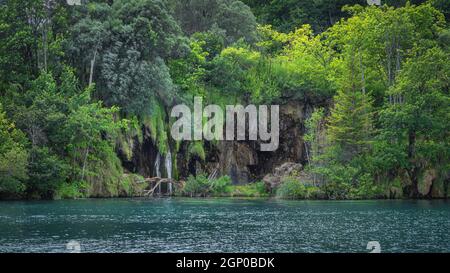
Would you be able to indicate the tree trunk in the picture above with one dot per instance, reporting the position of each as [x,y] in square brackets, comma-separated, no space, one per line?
[44,43]
[363,78]
[91,72]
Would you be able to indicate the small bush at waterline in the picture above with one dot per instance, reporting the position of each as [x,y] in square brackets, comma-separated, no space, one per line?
[221,186]
[200,186]
[256,189]
[292,188]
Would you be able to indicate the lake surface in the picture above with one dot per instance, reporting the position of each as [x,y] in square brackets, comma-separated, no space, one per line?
[224,225]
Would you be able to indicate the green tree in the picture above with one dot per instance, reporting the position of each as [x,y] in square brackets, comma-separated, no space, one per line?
[46,173]
[231,19]
[415,122]
[69,132]
[13,157]
[350,123]
[378,40]
[124,48]
[32,32]
[84,129]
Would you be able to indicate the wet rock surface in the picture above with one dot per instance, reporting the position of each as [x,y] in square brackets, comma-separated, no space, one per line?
[243,161]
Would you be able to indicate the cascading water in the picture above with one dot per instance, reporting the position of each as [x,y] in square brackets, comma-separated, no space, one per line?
[168,165]
[157,169]
[157,165]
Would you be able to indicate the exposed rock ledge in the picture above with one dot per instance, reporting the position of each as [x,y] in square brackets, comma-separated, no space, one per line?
[288,169]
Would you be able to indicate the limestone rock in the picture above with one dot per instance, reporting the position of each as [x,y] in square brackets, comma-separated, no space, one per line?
[288,169]
[235,160]
[426,181]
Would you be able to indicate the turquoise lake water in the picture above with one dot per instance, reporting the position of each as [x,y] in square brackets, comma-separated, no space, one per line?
[224,225]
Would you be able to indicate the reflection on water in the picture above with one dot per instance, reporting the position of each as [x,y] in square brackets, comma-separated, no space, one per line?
[224,225]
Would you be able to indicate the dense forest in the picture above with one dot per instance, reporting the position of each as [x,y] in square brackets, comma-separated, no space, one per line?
[86,92]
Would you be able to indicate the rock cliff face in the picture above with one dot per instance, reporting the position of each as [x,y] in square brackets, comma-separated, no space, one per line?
[143,154]
[244,162]
[241,160]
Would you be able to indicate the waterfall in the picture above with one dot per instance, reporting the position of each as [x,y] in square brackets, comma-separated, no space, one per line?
[157,165]
[168,165]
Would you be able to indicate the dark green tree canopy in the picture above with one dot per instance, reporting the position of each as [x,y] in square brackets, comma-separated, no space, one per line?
[231,18]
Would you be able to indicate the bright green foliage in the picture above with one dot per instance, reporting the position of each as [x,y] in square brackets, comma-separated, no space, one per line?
[414,125]
[189,72]
[84,130]
[347,181]
[72,190]
[13,157]
[373,44]
[201,186]
[350,123]
[230,69]
[298,70]
[196,186]
[158,131]
[221,185]
[315,136]
[197,150]
[307,61]
[292,188]
[68,133]
[362,151]
[256,189]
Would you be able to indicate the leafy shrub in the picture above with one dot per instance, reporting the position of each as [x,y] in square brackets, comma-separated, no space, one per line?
[350,181]
[337,190]
[200,186]
[196,186]
[13,157]
[340,179]
[256,189]
[71,190]
[315,193]
[366,189]
[291,189]
[221,186]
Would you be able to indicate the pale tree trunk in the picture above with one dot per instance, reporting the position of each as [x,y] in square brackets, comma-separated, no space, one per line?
[44,44]
[398,67]
[91,72]
[389,65]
